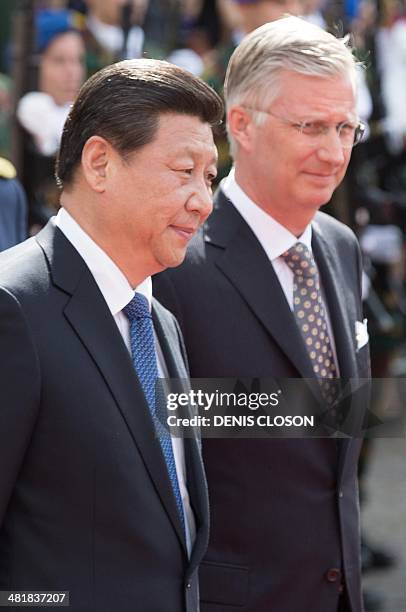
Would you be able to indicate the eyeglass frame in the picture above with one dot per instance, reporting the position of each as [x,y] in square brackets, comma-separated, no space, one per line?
[359,129]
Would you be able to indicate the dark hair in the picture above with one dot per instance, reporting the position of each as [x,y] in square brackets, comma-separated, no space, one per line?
[123,102]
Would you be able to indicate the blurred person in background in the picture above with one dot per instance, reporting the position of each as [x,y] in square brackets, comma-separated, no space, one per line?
[128,29]
[197,33]
[5,114]
[61,72]
[13,207]
[391,41]
[113,31]
[313,12]
[254,13]
[42,113]
[241,17]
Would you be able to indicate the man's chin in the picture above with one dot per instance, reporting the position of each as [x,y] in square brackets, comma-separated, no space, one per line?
[175,260]
[177,263]
[321,198]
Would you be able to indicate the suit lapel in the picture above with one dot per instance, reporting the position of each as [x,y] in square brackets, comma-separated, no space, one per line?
[164,331]
[327,262]
[331,276]
[88,314]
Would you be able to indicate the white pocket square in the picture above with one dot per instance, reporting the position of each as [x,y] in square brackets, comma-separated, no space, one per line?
[361,333]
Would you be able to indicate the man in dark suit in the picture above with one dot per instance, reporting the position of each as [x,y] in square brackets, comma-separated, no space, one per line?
[91,500]
[272,288]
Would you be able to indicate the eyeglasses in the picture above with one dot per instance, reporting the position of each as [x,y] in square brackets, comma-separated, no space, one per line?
[350,134]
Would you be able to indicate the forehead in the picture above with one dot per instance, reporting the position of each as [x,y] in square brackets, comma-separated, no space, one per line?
[183,134]
[316,96]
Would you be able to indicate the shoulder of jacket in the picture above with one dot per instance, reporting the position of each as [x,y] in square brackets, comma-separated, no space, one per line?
[327,223]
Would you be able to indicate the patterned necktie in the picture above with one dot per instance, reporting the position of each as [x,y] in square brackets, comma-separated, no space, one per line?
[144,359]
[310,316]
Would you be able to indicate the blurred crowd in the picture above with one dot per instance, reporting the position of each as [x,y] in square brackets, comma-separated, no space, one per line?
[48,48]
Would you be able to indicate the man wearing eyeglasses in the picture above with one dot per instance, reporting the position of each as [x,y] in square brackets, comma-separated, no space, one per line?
[271,288]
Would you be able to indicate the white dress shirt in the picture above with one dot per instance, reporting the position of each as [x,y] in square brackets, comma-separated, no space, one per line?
[275,239]
[117,293]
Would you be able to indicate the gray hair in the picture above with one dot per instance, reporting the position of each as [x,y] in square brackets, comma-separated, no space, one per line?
[290,43]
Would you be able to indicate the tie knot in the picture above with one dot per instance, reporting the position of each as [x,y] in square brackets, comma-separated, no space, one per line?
[138,308]
[300,260]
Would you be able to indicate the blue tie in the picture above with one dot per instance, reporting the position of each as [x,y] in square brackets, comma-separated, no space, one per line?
[144,359]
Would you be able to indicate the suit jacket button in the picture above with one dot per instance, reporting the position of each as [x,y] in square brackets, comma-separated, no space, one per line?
[340,494]
[333,574]
[189,585]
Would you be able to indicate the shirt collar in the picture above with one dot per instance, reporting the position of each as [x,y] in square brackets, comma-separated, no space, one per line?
[112,283]
[274,238]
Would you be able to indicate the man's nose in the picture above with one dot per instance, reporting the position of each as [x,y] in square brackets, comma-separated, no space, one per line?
[201,200]
[331,149]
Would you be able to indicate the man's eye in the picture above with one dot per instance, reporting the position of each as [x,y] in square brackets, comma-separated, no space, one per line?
[183,170]
[313,128]
[347,128]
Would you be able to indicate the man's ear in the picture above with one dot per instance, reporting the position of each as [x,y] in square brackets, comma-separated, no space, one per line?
[241,126]
[96,156]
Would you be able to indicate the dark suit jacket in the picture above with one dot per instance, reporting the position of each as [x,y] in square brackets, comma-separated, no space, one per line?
[86,503]
[284,512]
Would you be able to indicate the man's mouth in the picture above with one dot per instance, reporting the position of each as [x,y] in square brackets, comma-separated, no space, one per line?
[184,232]
[321,176]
